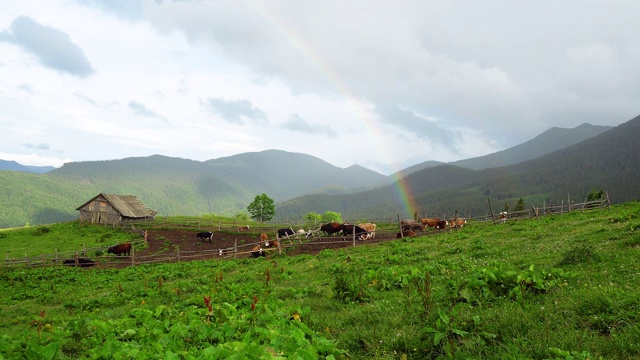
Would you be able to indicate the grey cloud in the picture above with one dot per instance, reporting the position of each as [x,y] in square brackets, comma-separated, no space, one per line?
[130,10]
[418,125]
[234,111]
[297,123]
[52,47]
[141,110]
[41,146]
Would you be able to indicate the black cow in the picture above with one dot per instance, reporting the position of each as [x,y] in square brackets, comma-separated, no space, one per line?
[82,262]
[331,228]
[205,235]
[349,229]
[285,233]
[411,225]
[120,249]
[257,251]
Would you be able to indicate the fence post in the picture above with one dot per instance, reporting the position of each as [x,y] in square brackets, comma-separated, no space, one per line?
[561,206]
[42,259]
[235,249]
[400,223]
[77,259]
[133,256]
[146,241]
[491,210]
[608,201]
[178,253]
[353,236]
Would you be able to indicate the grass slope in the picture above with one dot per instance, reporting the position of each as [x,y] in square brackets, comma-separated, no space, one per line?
[561,287]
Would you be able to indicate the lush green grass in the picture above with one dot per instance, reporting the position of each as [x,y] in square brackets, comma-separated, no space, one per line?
[564,286]
[69,236]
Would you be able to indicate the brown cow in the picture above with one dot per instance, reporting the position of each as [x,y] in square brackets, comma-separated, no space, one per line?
[331,228]
[263,237]
[458,223]
[243,228]
[120,249]
[271,244]
[370,228]
[436,223]
[503,217]
[409,224]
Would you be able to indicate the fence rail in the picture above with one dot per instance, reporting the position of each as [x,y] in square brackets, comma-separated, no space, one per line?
[386,231]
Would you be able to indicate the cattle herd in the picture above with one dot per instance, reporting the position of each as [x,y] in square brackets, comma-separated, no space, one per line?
[362,231]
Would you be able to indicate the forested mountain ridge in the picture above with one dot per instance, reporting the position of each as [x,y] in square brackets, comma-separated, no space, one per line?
[225,186]
[12,165]
[609,161]
[551,140]
[175,186]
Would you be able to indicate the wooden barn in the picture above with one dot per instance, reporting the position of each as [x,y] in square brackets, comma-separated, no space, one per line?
[114,209]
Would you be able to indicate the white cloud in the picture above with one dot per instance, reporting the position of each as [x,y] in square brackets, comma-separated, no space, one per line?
[378,83]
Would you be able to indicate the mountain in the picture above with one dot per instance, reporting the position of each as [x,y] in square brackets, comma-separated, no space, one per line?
[547,142]
[12,165]
[175,186]
[608,161]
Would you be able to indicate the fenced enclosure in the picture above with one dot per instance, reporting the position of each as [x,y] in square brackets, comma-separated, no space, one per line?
[238,240]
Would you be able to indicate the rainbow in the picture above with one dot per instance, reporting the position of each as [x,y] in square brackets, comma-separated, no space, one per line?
[362,113]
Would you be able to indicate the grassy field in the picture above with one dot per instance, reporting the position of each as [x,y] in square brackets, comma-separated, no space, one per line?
[558,287]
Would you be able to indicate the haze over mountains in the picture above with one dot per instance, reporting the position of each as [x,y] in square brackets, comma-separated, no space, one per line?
[301,183]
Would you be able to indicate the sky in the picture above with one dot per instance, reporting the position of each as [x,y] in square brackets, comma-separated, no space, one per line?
[382,84]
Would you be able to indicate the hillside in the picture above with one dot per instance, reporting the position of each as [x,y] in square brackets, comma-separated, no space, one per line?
[481,292]
[608,161]
[12,165]
[175,186]
[547,142]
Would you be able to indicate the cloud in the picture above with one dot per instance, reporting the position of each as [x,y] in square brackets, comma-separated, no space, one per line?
[130,10]
[234,111]
[40,146]
[297,123]
[419,126]
[141,110]
[52,47]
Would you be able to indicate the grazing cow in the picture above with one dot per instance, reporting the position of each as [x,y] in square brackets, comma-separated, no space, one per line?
[331,228]
[406,233]
[263,237]
[411,233]
[205,235]
[408,224]
[271,244]
[436,223]
[82,262]
[370,228]
[300,231]
[120,249]
[285,233]
[458,223]
[350,229]
[503,217]
[257,251]
[243,228]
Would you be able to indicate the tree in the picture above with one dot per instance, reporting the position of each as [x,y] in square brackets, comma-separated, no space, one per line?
[330,216]
[312,219]
[262,208]
[519,205]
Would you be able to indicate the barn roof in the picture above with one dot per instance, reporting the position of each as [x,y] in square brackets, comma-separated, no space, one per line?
[126,205]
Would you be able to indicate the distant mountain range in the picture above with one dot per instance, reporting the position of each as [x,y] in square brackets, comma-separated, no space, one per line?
[301,183]
[12,165]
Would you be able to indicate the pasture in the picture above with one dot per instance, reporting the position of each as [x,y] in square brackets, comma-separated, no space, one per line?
[558,287]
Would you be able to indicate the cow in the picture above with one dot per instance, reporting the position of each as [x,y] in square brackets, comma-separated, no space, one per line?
[406,233]
[437,223]
[271,244]
[503,217]
[257,252]
[243,228]
[301,231]
[264,237]
[409,224]
[370,228]
[331,228]
[411,233]
[350,229]
[82,262]
[205,235]
[120,249]
[285,233]
[457,223]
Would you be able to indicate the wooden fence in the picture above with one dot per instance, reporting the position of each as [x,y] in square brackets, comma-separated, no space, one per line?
[386,231]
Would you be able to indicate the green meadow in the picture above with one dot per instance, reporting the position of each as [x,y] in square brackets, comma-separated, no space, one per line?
[559,287]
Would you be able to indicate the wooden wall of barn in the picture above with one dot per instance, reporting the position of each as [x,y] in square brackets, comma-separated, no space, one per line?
[99,211]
